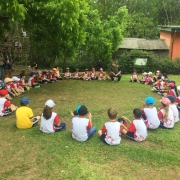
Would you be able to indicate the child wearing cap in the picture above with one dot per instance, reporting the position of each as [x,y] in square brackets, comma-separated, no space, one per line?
[50,121]
[165,114]
[149,114]
[143,79]
[101,74]
[173,107]
[149,79]
[86,75]
[5,106]
[158,74]
[93,75]
[76,74]
[17,86]
[137,129]
[10,87]
[24,115]
[134,77]
[172,90]
[56,74]
[82,128]
[32,82]
[3,87]
[111,131]
[67,74]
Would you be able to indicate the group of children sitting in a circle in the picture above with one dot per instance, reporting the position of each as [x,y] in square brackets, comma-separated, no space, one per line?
[147,117]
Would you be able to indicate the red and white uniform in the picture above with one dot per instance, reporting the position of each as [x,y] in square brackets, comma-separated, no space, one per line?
[139,129]
[134,76]
[93,74]
[172,92]
[47,126]
[169,123]
[152,121]
[85,75]
[8,87]
[67,74]
[175,111]
[101,74]
[31,81]
[112,130]
[76,75]
[79,128]
[4,104]
[143,78]
[44,77]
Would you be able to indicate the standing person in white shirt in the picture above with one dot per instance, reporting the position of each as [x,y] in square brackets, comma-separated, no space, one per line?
[50,121]
[173,107]
[165,114]
[149,114]
[82,128]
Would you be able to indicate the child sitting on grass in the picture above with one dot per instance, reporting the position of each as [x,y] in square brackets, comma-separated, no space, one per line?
[149,114]
[50,121]
[82,128]
[32,82]
[93,75]
[143,79]
[5,106]
[24,115]
[76,74]
[86,75]
[101,74]
[3,87]
[111,131]
[134,77]
[165,114]
[137,129]
[173,107]
[67,74]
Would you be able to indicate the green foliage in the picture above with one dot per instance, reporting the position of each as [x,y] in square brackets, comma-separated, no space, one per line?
[165,65]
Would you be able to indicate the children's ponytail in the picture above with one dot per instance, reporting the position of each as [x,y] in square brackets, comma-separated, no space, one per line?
[47,112]
[166,111]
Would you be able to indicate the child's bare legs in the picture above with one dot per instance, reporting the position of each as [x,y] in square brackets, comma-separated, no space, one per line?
[124,131]
[8,97]
[13,107]
[72,114]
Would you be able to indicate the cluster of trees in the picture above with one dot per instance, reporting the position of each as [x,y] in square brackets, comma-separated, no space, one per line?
[87,30]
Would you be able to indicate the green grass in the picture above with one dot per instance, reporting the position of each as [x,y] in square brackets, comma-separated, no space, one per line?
[30,154]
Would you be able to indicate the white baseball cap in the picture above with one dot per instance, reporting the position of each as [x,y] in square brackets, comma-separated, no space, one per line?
[50,103]
[14,78]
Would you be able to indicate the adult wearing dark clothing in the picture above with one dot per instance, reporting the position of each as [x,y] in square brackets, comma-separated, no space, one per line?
[115,72]
[7,63]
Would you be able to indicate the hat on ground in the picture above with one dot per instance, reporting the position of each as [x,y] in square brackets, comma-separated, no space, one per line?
[165,101]
[82,110]
[149,100]
[14,78]
[2,85]
[25,100]
[171,84]
[6,80]
[50,103]
[101,69]
[171,98]
[32,74]
[3,92]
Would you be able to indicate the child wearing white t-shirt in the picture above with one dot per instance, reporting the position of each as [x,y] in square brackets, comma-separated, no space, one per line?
[165,114]
[173,107]
[137,130]
[134,77]
[76,74]
[149,114]
[111,131]
[67,74]
[50,121]
[82,128]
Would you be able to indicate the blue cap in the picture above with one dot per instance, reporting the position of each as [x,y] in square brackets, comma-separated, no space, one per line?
[171,98]
[32,74]
[77,108]
[149,100]
[25,100]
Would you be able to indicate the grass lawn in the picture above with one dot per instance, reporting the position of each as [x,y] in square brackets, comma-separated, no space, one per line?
[30,154]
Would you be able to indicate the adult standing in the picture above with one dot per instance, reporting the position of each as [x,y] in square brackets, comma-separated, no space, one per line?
[7,63]
[115,72]
[1,65]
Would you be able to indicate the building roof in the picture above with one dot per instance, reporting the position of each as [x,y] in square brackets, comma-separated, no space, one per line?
[143,44]
[170,28]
